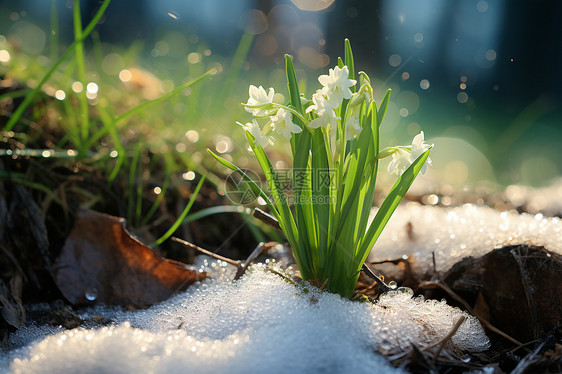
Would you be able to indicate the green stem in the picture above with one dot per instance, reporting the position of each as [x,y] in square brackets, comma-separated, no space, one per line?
[54,38]
[81,67]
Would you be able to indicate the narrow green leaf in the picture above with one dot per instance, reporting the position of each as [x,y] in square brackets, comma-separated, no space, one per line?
[182,216]
[384,106]
[321,182]
[292,84]
[253,185]
[29,97]
[355,172]
[389,205]
[349,62]
[341,64]
[282,213]
[300,146]
[368,193]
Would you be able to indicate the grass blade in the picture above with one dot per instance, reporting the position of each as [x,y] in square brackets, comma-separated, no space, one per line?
[253,185]
[182,216]
[81,67]
[29,98]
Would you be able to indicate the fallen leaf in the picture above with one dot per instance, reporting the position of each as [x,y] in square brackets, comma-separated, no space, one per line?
[11,309]
[102,263]
[519,286]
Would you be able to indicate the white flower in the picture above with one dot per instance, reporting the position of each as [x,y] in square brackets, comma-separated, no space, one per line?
[283,123]
[259,138]
[326,115]
[419,147]
[400,161]
[336,85]
[352,125]
[258,96]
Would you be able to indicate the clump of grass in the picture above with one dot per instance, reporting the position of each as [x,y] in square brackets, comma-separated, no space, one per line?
[132,140]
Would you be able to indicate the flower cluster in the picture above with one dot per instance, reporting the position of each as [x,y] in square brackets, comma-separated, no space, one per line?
[324,110]
[326,220]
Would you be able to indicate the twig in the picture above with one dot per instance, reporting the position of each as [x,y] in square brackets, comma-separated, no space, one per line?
[435,273]
[452,293]
[267,218]
[524,345]
[524,364]
[255,253]
[384,287]
[207,252]
[241,266]
[447,338]
[394,261]
[288,279]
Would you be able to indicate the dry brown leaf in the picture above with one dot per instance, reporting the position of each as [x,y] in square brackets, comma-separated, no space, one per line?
[101,262]
[519,285]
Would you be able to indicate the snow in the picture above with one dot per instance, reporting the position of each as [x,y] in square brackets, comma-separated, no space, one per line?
[454,233]
[264,323]
[546,200]
[260,323]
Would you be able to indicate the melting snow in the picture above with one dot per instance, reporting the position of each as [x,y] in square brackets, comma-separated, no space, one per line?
[454,233]
[261,323]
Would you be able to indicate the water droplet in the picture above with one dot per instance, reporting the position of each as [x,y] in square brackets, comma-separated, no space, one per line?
[91,294]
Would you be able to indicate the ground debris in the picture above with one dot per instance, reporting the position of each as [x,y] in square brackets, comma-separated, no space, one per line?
[517,286]
[102,263]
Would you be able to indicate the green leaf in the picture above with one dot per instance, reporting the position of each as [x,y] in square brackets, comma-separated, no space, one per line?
[292,84]
[349,62]
[368,192]
[354,172]
[16,115]
[384,106]
[253,185]
[389,205]
[341,64]
[180,219]
[321,175]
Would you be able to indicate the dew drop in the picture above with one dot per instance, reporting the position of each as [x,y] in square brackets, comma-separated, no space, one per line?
[91,294]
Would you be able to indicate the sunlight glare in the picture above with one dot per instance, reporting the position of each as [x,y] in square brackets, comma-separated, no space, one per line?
[312,5]
[192,136]
[188,176]
[60,95]
[4,56]
[125,75]
[77,87]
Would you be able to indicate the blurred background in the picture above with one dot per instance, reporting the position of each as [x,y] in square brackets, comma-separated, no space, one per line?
[481,78]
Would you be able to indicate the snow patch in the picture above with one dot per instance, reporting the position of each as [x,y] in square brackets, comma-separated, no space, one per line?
[261,323]
[455,233]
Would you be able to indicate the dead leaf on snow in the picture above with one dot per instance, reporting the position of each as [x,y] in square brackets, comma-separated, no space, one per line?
[101,262]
